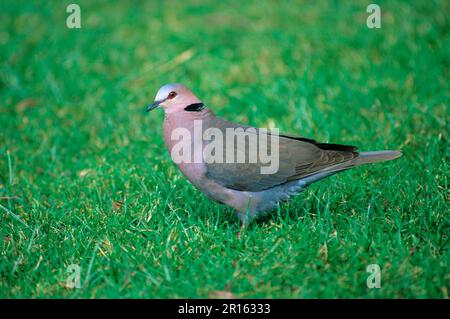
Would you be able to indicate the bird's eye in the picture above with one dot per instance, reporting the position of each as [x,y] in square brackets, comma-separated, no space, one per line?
[172,95]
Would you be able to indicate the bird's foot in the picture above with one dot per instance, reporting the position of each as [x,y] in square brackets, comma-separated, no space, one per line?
[239,234]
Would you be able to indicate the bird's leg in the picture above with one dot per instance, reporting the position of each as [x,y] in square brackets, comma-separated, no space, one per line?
[241,230]
[245,220]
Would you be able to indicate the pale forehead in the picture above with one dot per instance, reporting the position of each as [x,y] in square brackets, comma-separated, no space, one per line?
[166,89]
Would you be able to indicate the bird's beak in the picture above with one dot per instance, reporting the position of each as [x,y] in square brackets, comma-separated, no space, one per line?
[154,105]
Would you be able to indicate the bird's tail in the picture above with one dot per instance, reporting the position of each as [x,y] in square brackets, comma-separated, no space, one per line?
[364,158]
[374,157]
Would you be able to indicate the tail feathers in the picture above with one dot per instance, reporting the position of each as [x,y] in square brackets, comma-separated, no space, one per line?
[375,157]
[363,158]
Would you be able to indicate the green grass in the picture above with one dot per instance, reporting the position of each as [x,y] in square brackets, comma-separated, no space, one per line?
[85,178]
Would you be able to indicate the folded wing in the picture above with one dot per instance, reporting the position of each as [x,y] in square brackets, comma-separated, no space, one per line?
[298,158]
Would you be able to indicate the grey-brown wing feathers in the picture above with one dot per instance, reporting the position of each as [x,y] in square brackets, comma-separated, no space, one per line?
[298,158]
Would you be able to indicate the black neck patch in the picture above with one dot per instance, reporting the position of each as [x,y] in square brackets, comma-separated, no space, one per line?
[196,107]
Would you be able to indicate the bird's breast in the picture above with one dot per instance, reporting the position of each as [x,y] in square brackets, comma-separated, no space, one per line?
[186,149]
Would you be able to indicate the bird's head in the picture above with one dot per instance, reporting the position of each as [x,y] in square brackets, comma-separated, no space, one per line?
[175,97]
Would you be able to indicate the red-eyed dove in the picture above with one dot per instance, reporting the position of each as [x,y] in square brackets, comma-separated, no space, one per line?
[213,168]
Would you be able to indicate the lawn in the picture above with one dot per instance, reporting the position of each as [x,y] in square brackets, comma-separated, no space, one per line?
[87,184]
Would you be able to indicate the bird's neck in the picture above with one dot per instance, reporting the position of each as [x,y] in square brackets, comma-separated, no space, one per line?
[184,120]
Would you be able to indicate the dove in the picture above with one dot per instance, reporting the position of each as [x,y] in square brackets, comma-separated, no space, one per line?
[243,185]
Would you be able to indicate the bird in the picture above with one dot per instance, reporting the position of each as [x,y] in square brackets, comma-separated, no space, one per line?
[242,185]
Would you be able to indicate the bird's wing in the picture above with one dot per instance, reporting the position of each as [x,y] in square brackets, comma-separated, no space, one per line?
[298,158]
